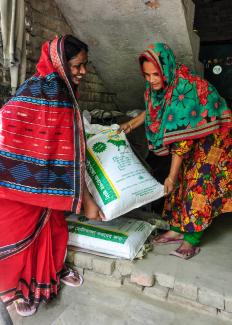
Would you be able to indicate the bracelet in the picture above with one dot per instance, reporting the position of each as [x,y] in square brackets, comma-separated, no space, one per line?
[130,126]
[171,180]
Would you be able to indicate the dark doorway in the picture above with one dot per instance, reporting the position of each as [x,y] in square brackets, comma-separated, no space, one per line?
[217,60]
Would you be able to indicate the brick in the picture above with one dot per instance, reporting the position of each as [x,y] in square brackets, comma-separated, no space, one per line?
[102,279]
[91,68]
[78,269]
[96,105]
[131,285]
[92,77]
[70,256]
[83,260]
[117,274]
[157,292]
[96,96]
[186,290]
[165,280]
[173,298]
[211,298]
[142,278]
[124,267]
[103,265]
[43,7]
[89,86]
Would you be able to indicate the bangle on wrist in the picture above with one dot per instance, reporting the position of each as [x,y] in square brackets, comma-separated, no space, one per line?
[171,180]
[130,125]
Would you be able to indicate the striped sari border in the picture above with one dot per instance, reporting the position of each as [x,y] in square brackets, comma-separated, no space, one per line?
[186,134]
[15,248]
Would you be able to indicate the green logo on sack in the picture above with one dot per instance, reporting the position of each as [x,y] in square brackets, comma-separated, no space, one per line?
[117,141]
[84,229]
[104,186]
[99,147]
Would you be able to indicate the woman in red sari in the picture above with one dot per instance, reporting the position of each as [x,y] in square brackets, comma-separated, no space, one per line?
[185,116]
[42,149]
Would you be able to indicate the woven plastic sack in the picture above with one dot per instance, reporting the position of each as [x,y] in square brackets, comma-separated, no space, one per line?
[115,177]
[122,237]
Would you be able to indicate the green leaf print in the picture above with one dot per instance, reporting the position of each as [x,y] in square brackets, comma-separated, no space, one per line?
[99,147]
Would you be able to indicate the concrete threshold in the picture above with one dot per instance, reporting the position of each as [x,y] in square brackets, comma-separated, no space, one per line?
[202,283]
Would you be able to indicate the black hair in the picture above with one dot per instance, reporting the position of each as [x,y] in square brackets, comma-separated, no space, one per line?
[142,59]
[73,46]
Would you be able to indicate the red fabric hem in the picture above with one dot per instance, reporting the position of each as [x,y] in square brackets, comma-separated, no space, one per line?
[32,273]
[40,200]
[36,292]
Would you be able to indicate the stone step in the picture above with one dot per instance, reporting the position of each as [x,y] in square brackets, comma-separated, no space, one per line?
[163,277]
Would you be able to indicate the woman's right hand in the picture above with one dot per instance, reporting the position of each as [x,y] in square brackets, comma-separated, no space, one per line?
[91,209]
[129,126]
[126,127]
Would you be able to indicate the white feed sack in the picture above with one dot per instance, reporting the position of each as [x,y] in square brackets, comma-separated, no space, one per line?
[122,237]
[115,177]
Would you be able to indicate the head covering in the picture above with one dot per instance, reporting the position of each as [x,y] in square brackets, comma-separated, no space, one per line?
[42,145]
[188,107]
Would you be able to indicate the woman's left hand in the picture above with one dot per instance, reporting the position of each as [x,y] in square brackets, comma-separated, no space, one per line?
[169,185]
[170,181]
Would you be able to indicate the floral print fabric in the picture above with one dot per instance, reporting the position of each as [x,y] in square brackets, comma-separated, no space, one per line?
[188,107]
[204,184]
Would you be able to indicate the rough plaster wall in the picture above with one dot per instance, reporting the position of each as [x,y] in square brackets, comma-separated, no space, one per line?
[189,10]
[117,31]
[41,27]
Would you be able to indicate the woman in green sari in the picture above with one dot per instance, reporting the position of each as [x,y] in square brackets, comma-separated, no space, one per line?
[185,116]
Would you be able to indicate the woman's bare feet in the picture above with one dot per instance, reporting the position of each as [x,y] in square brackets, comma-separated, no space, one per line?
[185,246]
[186,251]
[168,237]
[91,209]
[23,308]
[73,279]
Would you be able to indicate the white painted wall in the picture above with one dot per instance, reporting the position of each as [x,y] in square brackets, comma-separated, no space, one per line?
[117,31]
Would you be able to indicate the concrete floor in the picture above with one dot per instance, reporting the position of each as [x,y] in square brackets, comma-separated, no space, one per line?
[94,304]
[211,269]
[98,303]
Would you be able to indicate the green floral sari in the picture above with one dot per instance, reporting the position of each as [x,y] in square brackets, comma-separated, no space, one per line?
[188,107]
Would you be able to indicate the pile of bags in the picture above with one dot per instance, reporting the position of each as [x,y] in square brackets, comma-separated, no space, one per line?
[119,183]
[122,237]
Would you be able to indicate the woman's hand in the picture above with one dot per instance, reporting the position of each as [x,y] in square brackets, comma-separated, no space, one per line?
[94,214]
[169,186]
[170,181]
[91,209]
[126,127]
[129,126]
